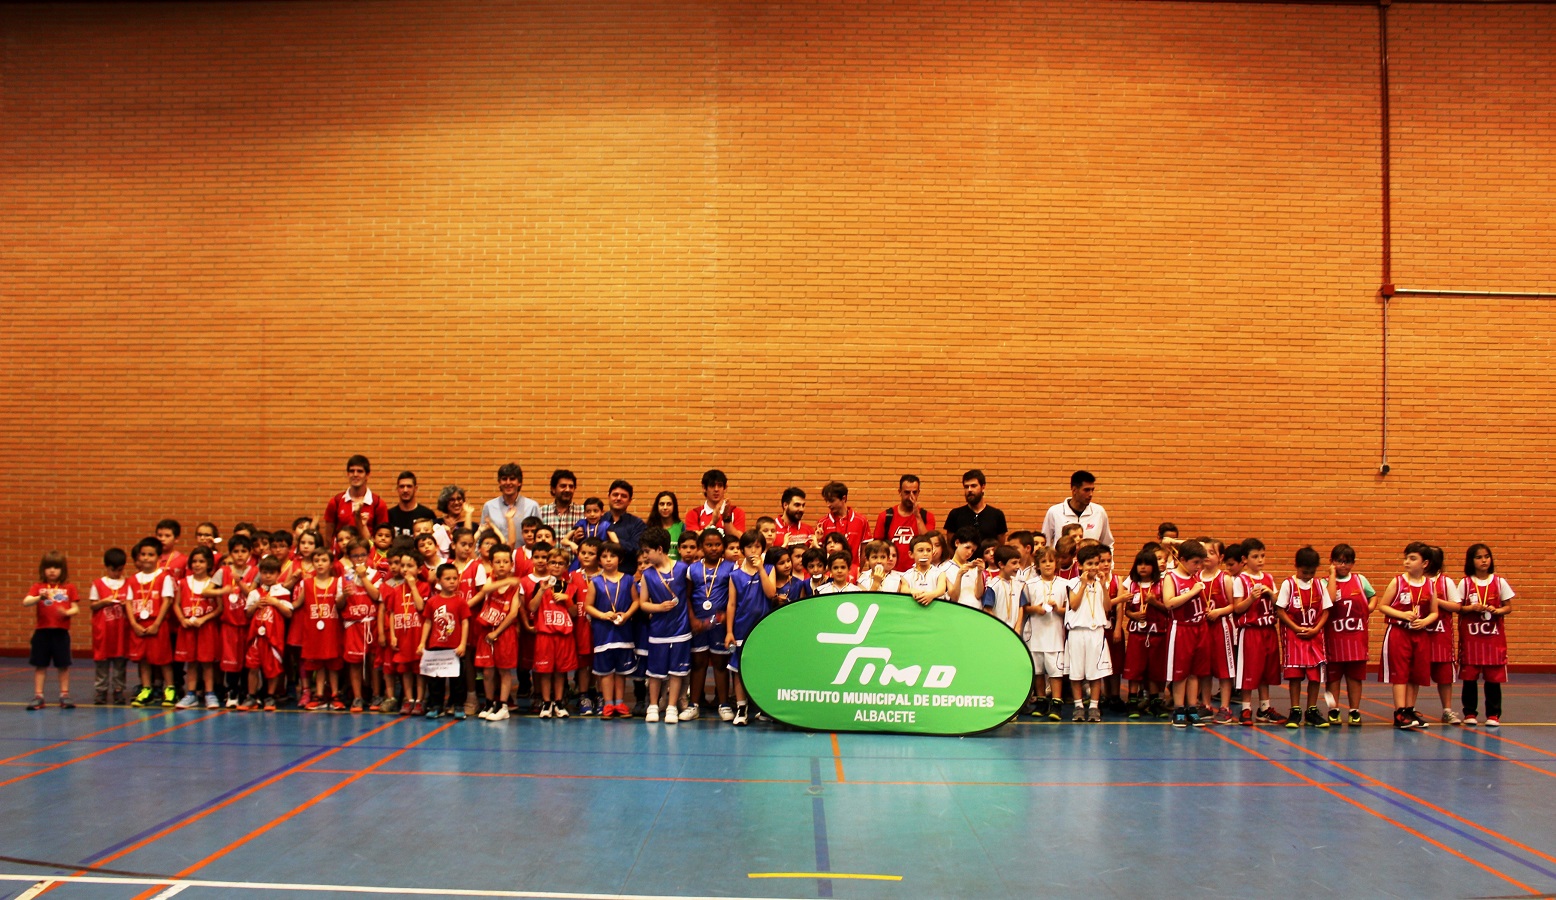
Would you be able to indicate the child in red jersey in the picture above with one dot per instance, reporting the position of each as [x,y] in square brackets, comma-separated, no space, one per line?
[359,626]
[151,642]
[109,597]
[167,532]
[268,605]
[1345,636]
[1439,638]
[234,577]
[1259,657]
[1409,604]
[1303,610]
[56,603]
[199,636]
[497,649]
[1487,600]
[402,604]
[1188,637]
[556,651]
[588,566]
[319,598]
[445,635]
[1221,635]
[1142,631]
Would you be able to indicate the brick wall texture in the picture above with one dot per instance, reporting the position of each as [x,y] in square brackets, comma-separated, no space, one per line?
[799,241]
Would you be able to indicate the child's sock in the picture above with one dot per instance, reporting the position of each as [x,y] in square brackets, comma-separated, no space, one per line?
[1263,705]
[1093,704]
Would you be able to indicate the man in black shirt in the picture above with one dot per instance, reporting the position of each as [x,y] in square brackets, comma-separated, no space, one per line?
[989,521]
[405,514]
[625,528]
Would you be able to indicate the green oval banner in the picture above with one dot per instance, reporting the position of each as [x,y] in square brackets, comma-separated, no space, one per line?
[865,661]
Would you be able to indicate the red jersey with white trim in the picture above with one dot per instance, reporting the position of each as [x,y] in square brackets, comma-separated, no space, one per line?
[851,525]
[1409,597]
[1440,635]
[902,530]
[149,596]
[795,536]
[702,518]
[191,602]
[404,619]
[235,602]
[1071,571]
[359,603]
[1482,639]
[1192,611]
[496,605]
[110,625]
[1261,612]
[1139,597]
[268,624]
[1345,635]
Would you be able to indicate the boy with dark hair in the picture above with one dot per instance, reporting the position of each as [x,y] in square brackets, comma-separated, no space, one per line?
[1410,607]
[167,534]
[1303,610]
[842,518]
[152,591]
[716,510]
[109,597]
[1085,645]
[1188,636]
[356,508]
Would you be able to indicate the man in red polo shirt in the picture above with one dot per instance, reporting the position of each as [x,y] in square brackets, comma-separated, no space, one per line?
[346,509]
[792,531]
[842,518]
[899,524]
[717,511]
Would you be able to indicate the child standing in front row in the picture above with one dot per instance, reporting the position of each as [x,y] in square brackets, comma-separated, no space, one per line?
[1085,644]
[1047,601]
[151,643]
[1410,606]
[751,592]
[1346,635]
[56,602]
[110,628]
[1303,610]
[445,626]
[497,650]
[556,650]
[662,592]
[610,601]
[1488,599]
[401,601]
[268,606]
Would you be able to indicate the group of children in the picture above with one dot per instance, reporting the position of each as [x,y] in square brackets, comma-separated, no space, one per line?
[282,615]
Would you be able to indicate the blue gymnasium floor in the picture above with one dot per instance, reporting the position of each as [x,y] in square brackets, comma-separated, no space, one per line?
[153,804]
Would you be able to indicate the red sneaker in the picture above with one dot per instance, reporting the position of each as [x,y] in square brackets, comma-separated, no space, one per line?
[1246,718]
[313,705]
[337,706]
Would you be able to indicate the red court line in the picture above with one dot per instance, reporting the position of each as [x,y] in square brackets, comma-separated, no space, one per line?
[126,851]
[109,749]
[1442,737]
[1164,784]
[1492,733]
[297,810]
[837,759]
[1414,799]
[1372,812]
[82,737]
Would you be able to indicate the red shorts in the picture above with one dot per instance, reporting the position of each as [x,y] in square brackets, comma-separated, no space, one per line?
[1492,674]
[526,648]
[199,645]
[1258,658]
[1117,651]
[1188,651]
[233,637]
[1355,669]
[1223,649]
[153,650]
[1313,674]
[555,653]
[393,666]
[324,665]
[1406,657]
[357,641]
[583,637]
[265,658]
[1444,673]
[1137,656]
[502,653]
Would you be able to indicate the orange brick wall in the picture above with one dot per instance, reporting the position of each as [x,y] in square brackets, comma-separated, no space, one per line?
[239,242]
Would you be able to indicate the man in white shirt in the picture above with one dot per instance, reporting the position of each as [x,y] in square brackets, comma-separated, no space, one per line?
[495,512]
[1079,509]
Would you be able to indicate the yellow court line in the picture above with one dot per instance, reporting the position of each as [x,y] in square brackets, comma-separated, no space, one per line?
[841,875]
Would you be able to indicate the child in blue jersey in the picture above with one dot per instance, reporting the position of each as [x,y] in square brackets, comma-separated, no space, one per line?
[611,605]
[709,580]
[593,524]
[751,592]
[662,593]
[790,587]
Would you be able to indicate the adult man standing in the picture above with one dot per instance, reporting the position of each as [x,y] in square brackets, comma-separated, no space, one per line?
[561,513]
[791,528]
[899,524]
[625,528]
[356,506]
[716,510]
[403,516]
[978,514]
[841,518]
[509,508]
[1079,509]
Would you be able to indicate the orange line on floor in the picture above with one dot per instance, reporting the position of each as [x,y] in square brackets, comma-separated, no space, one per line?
[83,737]
[570,777]
[837,759]
[1442,737]
[97,753]
[1492,733]
[296,810]
[1372,812]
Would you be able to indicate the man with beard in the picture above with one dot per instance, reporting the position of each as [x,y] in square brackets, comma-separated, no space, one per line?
[560,514]
[989,521]
[791,529]
[402,518]
[898,525]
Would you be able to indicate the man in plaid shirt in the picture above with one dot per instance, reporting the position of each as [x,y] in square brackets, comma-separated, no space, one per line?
[560,514]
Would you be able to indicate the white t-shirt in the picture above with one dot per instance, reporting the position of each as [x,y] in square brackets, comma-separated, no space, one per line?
[920,581]
[891,583]
[113,585]
[169,589]
[1093,611]
[1007,601]
[1286,598]
[832,588]
[1044,632]
[1503,591]
[277,592]
[971,595]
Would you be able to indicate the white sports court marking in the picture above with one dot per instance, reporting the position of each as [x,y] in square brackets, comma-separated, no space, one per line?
[43,883]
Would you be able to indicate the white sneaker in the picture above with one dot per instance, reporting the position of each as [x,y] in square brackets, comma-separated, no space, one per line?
[651,714]
[187,701]
[211,702]
[559,710]
[672,715]
[689,713]
[545,710]
[232,702]
[484,714]
[498,714]
[726,714]
[1470,720]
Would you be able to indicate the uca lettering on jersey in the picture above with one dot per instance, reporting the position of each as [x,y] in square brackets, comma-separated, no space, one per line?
[938,676]
[1349,625]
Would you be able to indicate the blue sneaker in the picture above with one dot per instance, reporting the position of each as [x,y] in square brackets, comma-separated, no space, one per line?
[459,714]
[1180,718]
[585,706]
[1196,719]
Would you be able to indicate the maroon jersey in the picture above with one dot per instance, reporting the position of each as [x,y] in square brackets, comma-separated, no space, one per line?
[1261,612]
[1193,611]
[1303,606]
[1140,596]
[1345,636]
[110,625]
[1440,636]
[1482,640]
[1409,597]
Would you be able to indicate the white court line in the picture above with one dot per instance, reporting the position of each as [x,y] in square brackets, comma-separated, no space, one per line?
[180,884]
[175,889]
[36,889]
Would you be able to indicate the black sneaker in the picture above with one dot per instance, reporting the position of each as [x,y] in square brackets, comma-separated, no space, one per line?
[1419,722]
[1355,719]
[1295,719]
[1195,719]
[1334,716]
[1402,720]
[1040,708]
[1055,706]
[1314,719]
[1180,718]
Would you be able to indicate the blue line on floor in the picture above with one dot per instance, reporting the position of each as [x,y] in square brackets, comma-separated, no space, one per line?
[818,816]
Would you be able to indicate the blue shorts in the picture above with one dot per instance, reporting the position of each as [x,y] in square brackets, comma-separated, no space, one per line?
[665,660]
[615,661]
[710,640]
[734,659]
